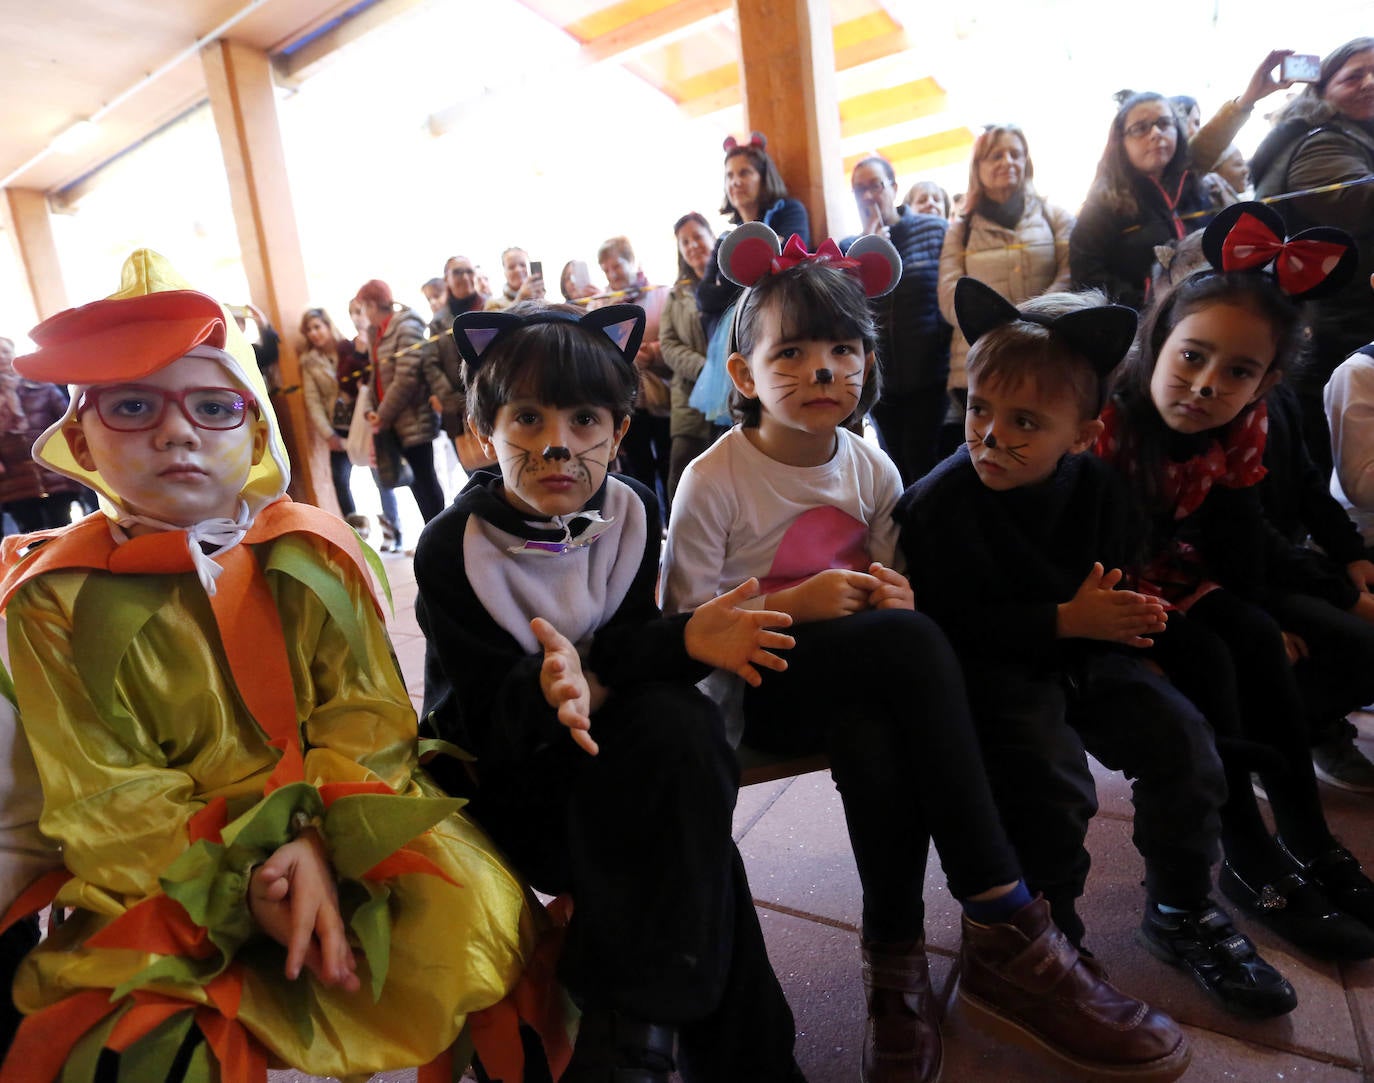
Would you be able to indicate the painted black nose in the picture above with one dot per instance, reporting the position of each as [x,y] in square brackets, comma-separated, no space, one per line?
[1205,392]
[553,453]
[825,376]
[990,441]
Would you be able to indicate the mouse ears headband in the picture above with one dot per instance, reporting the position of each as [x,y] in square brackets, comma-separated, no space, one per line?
[474,332]
[1250,237]
[1102,333]
[752,252]
[757,140]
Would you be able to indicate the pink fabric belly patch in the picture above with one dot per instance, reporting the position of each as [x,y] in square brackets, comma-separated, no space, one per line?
[819,539]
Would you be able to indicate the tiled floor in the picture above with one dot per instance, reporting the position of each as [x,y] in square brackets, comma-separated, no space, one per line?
[792,836]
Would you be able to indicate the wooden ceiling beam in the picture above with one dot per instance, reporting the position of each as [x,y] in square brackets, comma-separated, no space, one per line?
[889,106]
[857,41]
[655,29]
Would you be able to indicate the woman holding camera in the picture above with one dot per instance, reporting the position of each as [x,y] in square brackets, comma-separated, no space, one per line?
[1325,136]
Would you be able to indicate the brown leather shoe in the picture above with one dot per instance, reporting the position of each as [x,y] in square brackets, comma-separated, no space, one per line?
[902,1038]
[1024,981]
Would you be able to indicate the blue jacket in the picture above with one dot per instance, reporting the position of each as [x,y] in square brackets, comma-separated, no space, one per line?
[913,338]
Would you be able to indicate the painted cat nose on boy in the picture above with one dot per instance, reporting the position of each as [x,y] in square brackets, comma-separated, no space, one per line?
[824,376]
[556,453]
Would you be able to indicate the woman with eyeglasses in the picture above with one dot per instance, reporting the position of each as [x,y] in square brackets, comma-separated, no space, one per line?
[1147,191]
[1007,237]
[913,341]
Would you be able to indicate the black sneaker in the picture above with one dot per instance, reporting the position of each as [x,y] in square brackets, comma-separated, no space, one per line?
[1220,959]
[1300,912]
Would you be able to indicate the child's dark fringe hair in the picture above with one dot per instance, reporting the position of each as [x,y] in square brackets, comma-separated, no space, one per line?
[559,362]
[1022,351]
[816,301]
[1130,387]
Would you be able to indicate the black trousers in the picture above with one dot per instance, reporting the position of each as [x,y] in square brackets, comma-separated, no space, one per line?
[1227,656]
[907,427]
[646,451]
[882,694]
[1035,726]
[663,925]
[1338,675]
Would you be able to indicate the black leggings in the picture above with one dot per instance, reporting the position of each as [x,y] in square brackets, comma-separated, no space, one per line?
[882,694]
[428,493]
[1227,656]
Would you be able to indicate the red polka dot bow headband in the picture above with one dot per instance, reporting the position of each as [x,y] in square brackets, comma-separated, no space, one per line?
[1250,237]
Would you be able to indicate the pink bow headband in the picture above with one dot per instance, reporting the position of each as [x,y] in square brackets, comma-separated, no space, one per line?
[753,251]
[1250,237]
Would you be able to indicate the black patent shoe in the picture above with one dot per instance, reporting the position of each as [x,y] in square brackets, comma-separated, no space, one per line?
[612,1047]
[1220,959]
[1301,913]
[1338,874]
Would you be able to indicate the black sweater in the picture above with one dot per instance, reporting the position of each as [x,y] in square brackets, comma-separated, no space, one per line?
[992,567]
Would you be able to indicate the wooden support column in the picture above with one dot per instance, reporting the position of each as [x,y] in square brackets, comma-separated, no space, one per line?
[787,68]
[30,228]
[239,79]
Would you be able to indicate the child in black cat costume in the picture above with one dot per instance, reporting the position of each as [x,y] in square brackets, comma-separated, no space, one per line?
[1015,545]
[599,769]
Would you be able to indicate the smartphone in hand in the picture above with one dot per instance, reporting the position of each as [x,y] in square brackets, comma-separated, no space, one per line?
[1301,68]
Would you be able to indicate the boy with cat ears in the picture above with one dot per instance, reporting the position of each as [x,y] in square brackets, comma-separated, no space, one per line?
[1014,546]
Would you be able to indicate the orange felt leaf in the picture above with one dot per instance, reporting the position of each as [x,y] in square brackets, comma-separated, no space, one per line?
[149,1011]
[403,861]
[496,1037]
[241,1058]
[439,1070]
[34,897]
[209,822]
[332,791]
[540,1001]
[45,1038]
[159,925]
[225,990]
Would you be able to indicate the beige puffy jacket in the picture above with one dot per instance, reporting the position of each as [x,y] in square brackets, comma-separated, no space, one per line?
[1018,263]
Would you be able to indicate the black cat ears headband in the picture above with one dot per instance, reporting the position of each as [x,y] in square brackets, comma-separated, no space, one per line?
[476,331]
[1102,334]
[1250,237]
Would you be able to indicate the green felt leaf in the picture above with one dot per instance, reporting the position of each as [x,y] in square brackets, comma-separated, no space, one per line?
[294,557]
[151,1057]
[371,924]
[108,613]
[364,828]
[85,1055]
[437,746]
[202,1067]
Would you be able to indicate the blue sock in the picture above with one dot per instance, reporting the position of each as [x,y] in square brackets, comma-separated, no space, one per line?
[998,910]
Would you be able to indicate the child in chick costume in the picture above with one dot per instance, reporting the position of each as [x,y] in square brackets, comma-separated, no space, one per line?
[259,875]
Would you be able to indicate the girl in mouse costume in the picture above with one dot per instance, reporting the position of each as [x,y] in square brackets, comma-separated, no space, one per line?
[1187,427]
[795,499]
[599,769]
[255,865]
